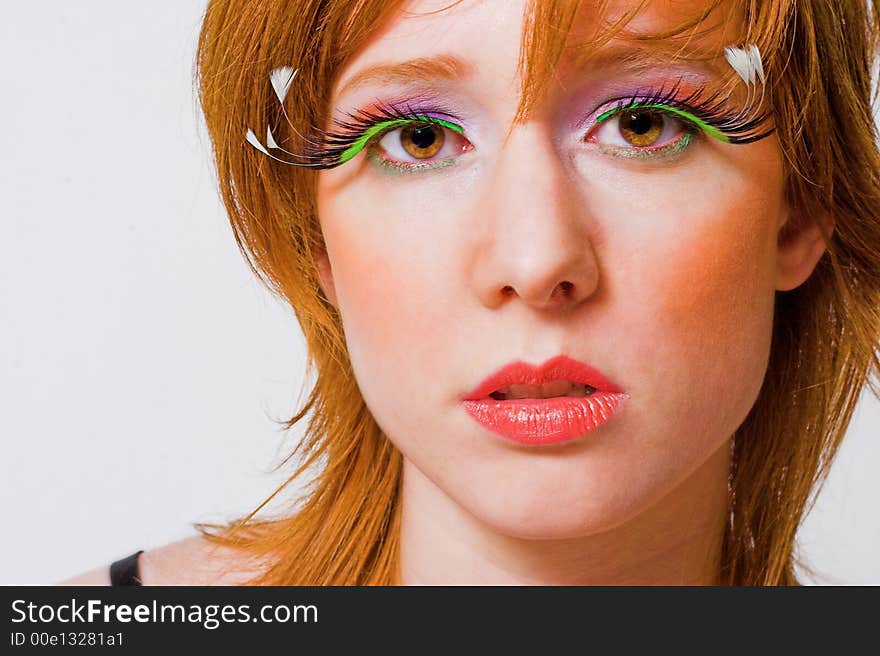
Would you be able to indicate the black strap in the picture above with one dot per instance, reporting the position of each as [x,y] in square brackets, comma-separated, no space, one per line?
[125,570]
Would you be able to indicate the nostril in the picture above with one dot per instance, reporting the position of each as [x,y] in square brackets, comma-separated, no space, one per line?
[566,286]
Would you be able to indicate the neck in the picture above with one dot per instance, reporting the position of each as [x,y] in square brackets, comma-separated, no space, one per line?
[676,541]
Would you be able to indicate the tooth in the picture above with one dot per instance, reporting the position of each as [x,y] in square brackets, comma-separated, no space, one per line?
[581,389]
[557,388]
[551,389]
[576,390]
[521,392]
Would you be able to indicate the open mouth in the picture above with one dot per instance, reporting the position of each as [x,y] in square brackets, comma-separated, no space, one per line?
[527,403]
[556,388]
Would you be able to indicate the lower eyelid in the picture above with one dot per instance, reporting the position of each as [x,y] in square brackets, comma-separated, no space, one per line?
[670,150]
[392,166]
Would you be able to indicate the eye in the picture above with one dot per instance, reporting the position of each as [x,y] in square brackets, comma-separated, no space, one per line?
[418,143]
[640,127]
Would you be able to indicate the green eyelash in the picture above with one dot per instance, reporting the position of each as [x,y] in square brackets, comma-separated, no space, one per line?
[385,126]
[711,115]
[708,128]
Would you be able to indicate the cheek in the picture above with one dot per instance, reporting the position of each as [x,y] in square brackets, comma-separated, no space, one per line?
[703,297]
[393,285]
[719,306]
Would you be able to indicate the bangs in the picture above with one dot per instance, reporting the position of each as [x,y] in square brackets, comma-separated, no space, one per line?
[548,28]
[549,24]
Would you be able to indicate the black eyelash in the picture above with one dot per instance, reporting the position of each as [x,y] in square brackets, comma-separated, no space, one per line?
[325,152]
[737,128]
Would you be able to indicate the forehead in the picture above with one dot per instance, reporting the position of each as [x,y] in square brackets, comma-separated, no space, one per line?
[477,39]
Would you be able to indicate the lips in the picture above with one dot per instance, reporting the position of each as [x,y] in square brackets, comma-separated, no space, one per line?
[561,400]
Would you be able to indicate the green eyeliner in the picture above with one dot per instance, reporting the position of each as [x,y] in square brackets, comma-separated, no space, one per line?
[708,128]
[662,153]
[371,132]
[394,168]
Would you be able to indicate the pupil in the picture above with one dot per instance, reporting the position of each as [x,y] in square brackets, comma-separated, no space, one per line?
[640,123]
[423,137]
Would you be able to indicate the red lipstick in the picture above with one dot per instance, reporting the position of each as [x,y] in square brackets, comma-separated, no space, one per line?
[524,403]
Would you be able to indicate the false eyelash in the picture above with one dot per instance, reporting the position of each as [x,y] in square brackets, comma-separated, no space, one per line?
[327,149]
[735,128]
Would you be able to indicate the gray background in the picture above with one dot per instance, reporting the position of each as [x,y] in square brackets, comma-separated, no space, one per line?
[141,365]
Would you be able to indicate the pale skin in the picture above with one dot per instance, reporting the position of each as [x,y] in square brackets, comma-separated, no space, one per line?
[442,276]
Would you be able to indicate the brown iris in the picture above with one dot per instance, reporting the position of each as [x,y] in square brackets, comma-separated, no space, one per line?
[641,127]
[422,140]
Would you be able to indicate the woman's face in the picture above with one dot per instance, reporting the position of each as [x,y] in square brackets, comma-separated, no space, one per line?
[443,274]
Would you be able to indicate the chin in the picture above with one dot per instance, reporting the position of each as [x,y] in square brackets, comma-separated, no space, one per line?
[558,526]
[532,515]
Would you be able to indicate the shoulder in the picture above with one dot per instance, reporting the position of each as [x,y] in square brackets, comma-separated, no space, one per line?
[190,561]
[194,561]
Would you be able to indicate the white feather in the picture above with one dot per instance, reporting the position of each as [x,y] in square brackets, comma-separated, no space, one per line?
[758,64]
[746,63]
[281,78]
[739,61]
[253,141]
[270,140]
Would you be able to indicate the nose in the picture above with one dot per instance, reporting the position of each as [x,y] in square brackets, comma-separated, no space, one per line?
[533,237]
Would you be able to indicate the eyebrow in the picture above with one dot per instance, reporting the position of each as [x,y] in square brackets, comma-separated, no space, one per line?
[639,57]
[451,67]
[422,69]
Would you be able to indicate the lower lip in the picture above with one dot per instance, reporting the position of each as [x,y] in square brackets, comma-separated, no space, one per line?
[539,422]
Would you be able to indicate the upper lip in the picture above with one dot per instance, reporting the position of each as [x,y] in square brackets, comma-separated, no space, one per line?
[556,368]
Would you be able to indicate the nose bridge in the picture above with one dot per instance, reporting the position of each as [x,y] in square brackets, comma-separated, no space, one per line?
[538,245]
